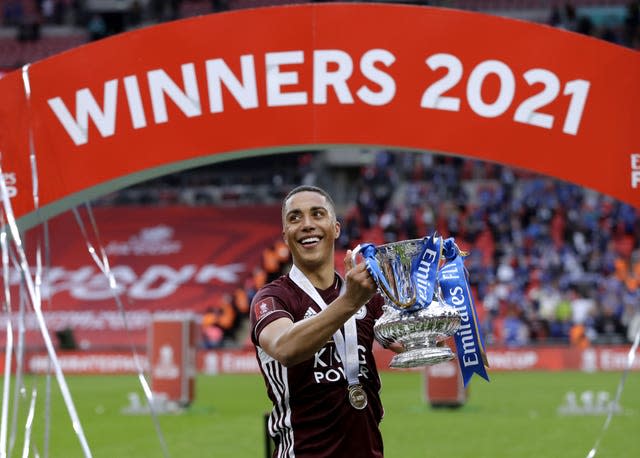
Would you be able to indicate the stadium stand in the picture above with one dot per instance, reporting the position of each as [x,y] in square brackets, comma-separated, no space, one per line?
[525,233]
[547,258]
[15,53]
[31,30]
[550,262]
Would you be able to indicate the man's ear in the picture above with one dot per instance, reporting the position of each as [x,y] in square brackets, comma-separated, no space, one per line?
[337,232]
[284,239]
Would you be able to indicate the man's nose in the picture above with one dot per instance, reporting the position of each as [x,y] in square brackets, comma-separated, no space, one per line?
[307,222]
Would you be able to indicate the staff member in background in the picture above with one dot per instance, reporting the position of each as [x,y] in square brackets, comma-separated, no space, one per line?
[212,333]
[313,333]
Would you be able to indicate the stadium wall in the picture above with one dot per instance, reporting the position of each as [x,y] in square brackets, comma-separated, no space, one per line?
[604,358]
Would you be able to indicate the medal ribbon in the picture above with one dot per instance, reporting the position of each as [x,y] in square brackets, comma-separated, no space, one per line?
[454,286]
[346,346]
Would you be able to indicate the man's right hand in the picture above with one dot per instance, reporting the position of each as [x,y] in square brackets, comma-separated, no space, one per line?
[360,286]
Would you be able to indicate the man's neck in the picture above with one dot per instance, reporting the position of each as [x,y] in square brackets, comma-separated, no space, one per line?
[321,278]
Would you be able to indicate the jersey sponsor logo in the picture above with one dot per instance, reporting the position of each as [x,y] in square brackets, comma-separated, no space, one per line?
[264,307]
[328,367]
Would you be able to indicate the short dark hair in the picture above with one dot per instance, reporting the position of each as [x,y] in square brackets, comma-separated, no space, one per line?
[309,188]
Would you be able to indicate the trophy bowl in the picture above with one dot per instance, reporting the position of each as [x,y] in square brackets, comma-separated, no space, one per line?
[419,333]
[418,322]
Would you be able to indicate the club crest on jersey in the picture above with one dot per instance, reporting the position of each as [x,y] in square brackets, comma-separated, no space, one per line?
[361,313]
[264,307]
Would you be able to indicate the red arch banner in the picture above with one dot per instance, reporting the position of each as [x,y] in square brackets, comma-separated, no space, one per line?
[273,79]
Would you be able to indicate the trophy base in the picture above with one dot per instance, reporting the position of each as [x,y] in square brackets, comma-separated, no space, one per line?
[421,357]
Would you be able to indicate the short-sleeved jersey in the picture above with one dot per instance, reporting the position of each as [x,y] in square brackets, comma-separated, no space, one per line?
[311,415]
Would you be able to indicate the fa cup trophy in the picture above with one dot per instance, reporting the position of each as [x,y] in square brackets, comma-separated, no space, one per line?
[415,313]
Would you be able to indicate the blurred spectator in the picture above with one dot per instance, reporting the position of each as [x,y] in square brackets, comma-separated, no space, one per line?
[564,17]
[97,27]
[225,314]
[283,254]
[257,281]
[165,10]
[270,263]
[515,332]
[47,10]
[219,5]
[134,17]
[212,333]
[578,336]
[632,24]
[12,13]
[241,302]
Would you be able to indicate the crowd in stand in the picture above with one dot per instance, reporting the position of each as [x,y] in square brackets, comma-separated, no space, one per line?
[549,262]
[624,33]
[623,29]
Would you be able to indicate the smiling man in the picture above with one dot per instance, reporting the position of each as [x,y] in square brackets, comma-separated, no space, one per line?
[313,332]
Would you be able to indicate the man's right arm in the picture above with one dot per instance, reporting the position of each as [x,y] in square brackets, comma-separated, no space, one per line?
[291,343]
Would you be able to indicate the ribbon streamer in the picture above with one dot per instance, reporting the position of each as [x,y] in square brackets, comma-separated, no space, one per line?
[29,424]
[631,356]
[102,262]
[29,282]
[19,392]
[5,391]
[6,385]
[38,276]
[32,152]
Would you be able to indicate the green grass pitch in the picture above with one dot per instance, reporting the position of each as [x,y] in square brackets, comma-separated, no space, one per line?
[515,415]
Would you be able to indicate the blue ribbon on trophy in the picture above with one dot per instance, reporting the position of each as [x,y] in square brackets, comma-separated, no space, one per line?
[454,287]
[425,303]
[424,269]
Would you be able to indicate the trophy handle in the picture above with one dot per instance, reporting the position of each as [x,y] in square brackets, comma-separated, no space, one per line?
[354,254]
[381,281]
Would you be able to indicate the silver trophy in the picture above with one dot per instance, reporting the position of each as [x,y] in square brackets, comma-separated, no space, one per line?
[418,328]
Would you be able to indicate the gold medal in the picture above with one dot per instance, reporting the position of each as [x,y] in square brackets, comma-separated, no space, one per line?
[357,397]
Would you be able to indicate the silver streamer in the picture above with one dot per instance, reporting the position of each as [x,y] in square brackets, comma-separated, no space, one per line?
[47,393]
[19,391]
[6,385]
[33,293]
[38,283]
[33,287]
[33,296]
[17,351]
[102,262]
[29,424]
[631,356]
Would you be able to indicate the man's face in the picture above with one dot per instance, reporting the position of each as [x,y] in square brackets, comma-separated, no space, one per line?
[310,229]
